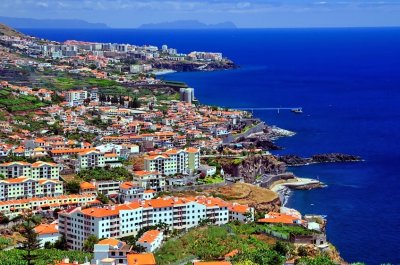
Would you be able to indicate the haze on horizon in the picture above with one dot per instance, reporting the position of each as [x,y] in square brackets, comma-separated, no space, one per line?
[244,13]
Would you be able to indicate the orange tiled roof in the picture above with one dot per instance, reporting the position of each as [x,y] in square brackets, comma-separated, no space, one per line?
[109,241]
[74,150]
[141,259]
[149,236]
[44,229]
[127,185]
[239,208]
[273,217]
[87,186]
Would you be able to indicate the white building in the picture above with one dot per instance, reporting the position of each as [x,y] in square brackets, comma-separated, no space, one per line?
[37,170]
[127,219]
[47,233]
[151,240]
[90,159]
[111,250]
[173,161]
[23,188]
[208,170]
[149,180]
[76,97]
[130,192]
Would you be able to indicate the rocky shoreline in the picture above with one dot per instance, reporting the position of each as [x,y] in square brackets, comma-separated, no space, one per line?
[295,160]
[187,66]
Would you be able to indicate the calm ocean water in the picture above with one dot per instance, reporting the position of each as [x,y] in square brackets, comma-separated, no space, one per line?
[348,83]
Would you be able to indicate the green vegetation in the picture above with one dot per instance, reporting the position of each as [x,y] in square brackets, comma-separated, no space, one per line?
[72,186]
[89,243]
[31,242]
[212,180]
[43,256]
[213,242]
[237,161]
[319,260]
[116,173]
[5,242]
[103,198]
[67,82]
[15,103]
[290,230]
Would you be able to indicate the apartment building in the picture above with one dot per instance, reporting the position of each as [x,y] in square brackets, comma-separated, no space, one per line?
[14,207]
[106,187]
[76,97]
[127,219]
[22,188]
[149,180]
[173,161]
[90,159]
[129,192]
[37,170]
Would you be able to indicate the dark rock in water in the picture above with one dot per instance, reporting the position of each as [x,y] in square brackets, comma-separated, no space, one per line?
[335,157]
[262,141]
[295,160]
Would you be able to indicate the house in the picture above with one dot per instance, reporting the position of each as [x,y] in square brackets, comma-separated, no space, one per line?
[87,188]
[276,218]
[47,233]
[151,240]
[111,249]
[141,259]
[208,170]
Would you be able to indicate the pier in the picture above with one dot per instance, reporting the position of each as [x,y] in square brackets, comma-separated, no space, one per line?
[276,109]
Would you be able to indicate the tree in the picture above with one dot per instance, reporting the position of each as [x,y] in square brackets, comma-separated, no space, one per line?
[73,187]
[93,66]
[4,219]
[103,198]
[31,241]
[61,243]
[89,243]
[136,103]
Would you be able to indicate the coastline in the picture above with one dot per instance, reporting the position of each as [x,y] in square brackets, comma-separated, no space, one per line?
[285,189]
[160,72]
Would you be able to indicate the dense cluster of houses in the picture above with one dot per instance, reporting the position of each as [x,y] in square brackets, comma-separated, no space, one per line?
[170,136]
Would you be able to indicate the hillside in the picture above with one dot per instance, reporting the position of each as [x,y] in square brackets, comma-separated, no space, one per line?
[8,31]
[261,199]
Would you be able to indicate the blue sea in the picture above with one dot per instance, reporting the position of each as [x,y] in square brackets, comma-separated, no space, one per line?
[348,83]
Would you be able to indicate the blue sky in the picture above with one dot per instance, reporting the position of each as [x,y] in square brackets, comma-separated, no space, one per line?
[244,13]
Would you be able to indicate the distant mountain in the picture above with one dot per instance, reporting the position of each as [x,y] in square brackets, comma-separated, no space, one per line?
[50,23]
[188,24]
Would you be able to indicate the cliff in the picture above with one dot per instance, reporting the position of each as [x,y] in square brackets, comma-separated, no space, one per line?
[252,167]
